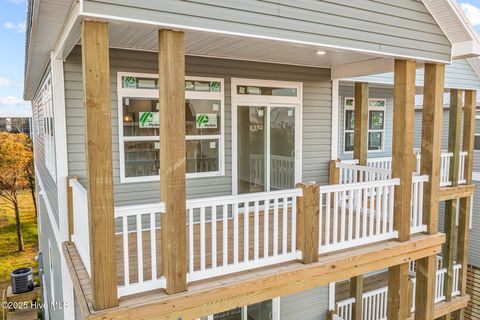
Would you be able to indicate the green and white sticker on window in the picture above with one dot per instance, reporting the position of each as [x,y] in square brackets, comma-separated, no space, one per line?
[206,121]
[149,120]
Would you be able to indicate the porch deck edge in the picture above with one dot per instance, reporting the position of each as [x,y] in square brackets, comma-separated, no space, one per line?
[227,292]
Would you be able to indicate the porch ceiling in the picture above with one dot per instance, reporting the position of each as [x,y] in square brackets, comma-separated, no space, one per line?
[135,37]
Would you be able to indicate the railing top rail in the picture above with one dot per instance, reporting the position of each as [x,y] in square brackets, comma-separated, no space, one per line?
[74,184]
[346,302]
[248,197]
[419,178]
[375,292]
[446,154]
[359,185]
[362,168]
[139,209]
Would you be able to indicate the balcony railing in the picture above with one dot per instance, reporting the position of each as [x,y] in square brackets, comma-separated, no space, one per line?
[385,163]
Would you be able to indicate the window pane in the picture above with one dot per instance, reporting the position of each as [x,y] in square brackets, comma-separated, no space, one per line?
[235,314]
[348,141]
[376,120]
[203,86]
[260,311]
[349,120]
[139,83]
[141,158]
[140,117]
[267,91]
[349,102]
[375,141]
[282,148]
[477,143]
[202,155]
[376,103]
[203,117]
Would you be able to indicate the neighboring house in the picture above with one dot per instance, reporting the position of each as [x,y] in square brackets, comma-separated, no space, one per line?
[254,96]
[16,124]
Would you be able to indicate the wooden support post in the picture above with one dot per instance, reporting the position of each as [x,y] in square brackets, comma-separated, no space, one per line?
[334,172]
[71,226]
[432,121]
[360,147]
[465,203]
[356,291]
[402,167]
[308,207]
[98,134]
[171,66]
[455,125]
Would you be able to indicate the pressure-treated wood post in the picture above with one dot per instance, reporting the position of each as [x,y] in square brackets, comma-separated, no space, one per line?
[360,147]
[464,213]
[432,120]
[402,167]
[334,172]
[171,66]
[98,134]
[308,206]
[455,124]
[71,226]
[356,291]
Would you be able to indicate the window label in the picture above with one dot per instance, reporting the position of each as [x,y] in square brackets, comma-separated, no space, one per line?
[206,121]
[149,120]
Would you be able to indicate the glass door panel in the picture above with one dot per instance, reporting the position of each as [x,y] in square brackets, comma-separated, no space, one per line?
[282,148]
[260,311]
[251,149]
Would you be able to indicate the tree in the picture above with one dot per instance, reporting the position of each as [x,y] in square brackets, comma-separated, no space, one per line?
[15,156]
[30,174]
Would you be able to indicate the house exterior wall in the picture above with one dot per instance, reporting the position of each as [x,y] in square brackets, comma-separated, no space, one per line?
[306,305]
[49,182]
[316,126]
[406,29]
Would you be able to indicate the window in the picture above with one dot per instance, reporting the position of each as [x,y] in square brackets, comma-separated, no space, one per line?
[477,130]
[140,127]
[43,103]
[376,124]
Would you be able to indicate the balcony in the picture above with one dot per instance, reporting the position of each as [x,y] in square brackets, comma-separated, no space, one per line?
[232,234]
[375,295]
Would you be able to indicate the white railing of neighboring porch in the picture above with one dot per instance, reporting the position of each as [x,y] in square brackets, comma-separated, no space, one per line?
[416,213]
[345,308]
[81,233]
[139,249]
[238,249]
[352,173]
[385,163]
[375,304]
[356,214]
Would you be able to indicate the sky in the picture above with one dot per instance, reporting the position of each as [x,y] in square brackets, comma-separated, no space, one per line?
[12,53]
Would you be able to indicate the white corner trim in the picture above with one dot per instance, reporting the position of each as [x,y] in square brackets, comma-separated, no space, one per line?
[362,68]
[331,296]
[335,119]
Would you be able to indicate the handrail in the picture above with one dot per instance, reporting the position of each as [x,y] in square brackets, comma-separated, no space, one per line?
[358,185]
[362,168]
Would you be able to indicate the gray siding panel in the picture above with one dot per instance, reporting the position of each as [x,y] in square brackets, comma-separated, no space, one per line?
[316,118]
[306,305]
[459,74]
[348,91]
[406,28]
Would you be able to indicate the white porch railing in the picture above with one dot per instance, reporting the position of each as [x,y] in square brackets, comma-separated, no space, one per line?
[375,304]
[81,234]
[235,233]
[282,171]
[353,173]
[345,307]
[356,214]
[416,215]
[137,236]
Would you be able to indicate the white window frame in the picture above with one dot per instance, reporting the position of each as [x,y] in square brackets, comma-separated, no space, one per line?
[275,310]
[44,101]
[384,109]
[477,117]
[268,102]
[153,94]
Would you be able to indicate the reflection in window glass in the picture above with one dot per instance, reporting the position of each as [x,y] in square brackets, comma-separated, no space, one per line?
[141,158]
[202,117]
[375,120]
[140,117]
[349,141]
[349,120]
[375,141]
[267,91]
[260,311]
[202,156]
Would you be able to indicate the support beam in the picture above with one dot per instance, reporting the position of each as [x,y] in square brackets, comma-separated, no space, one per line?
[455,125]
[360,147]
[171,66]
[98,134]
[356,291]
[402,167]
[465,203]
[308,207]
[432,121]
